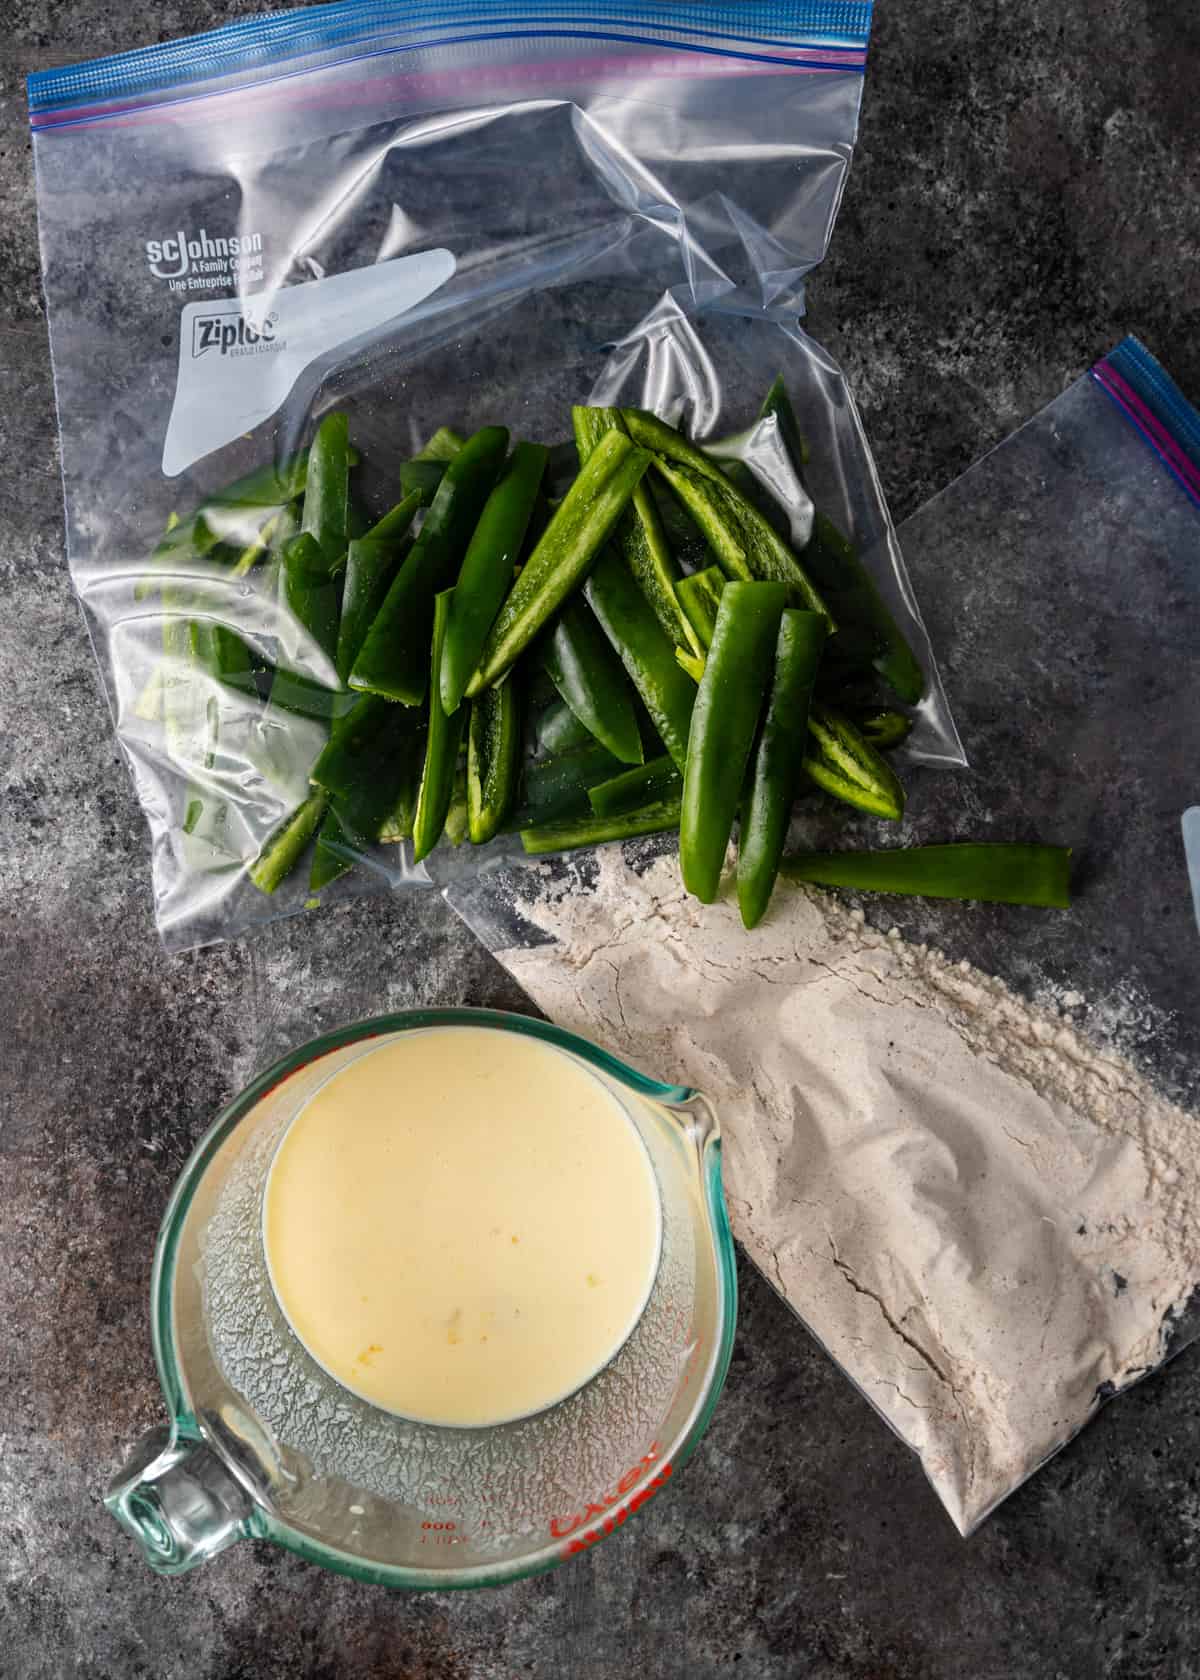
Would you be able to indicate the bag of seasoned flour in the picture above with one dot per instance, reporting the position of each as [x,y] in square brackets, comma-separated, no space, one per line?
[963,1141]
[293,264]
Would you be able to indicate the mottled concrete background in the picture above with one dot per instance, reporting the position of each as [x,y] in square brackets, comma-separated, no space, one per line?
[1026,190]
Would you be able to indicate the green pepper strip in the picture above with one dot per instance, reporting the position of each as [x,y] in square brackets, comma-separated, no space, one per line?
[560,731]
[639,534]
[989,873]
[266,486]
[327,490]
[578,658]
[235,514]
[312,592]
[686,542]
[421,479]
[444,445]
[556,788]
[700,598]
[884,728]
[487,569]
[332,854]
[192,647]
[351,749]
[260,544]
[868,634]
[666,441]
[283,850]
[645,650]
[778,765]
[395,524]
[728,706]
[179,689]
[372,562]
[422,475]
[457,821]
[493,755]
[305,697]
[565,553]
[645,784]
[361,809]
[745,543]
[203,645]
[283,534]
[227,655]
[441,745]
[394,660]
[401,819]
[597,831]
[236,664]
[312,563]
[370,567]
[841,762]
[233,520]
[358,520]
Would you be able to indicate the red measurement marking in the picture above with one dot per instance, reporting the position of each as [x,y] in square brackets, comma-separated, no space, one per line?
[615,1518]
[561,1527]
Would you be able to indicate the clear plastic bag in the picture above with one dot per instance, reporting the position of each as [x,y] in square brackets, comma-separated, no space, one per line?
[422,216]
[1065,595]
[1064,579]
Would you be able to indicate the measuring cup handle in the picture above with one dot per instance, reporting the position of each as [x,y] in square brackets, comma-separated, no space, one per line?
[178,1500]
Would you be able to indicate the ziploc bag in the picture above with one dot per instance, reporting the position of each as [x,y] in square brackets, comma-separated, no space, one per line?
[421,216]
[963,1141]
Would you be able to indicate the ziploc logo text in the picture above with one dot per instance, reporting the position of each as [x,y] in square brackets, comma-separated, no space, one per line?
[229,333]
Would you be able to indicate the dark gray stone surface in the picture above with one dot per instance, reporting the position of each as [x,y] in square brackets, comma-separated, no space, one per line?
[1026,190]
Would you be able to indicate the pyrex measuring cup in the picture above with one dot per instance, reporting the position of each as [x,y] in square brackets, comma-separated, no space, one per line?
[263,1443]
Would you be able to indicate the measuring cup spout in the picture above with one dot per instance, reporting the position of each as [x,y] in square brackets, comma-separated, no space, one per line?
[697,1119]
[178,1500]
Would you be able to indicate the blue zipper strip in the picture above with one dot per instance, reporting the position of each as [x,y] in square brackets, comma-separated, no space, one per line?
[251,46]
[1154,385]
[1151,402]
[188,90]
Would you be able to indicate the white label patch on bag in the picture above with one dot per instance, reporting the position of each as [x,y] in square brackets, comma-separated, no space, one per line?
[1191,852]
[239,358]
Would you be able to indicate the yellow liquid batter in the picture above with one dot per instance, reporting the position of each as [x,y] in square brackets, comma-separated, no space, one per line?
[463,1225]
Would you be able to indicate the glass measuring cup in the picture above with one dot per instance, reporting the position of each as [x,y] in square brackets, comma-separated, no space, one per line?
[263,1443]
